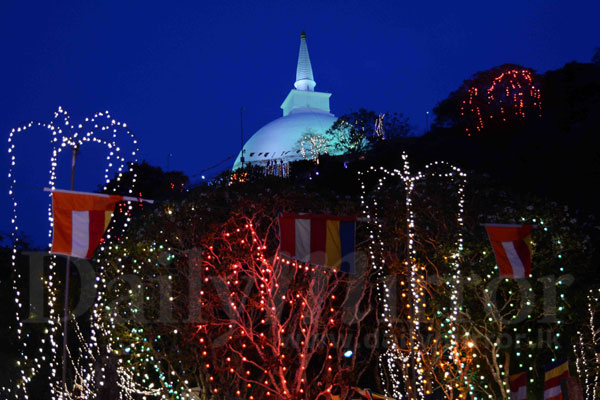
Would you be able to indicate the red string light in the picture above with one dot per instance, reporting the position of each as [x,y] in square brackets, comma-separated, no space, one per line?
[508,98]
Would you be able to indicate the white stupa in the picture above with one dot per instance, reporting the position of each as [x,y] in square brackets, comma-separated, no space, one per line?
[304,111]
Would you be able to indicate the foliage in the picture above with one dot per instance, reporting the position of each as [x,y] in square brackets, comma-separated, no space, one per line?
[250,322]
[499,322]
[312,146]
[150,182]
[226,231]
[355,132]
[555,156]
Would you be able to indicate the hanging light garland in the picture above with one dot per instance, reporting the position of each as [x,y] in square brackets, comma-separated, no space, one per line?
[99,129]
[393,358]
[586,350]
[511,94]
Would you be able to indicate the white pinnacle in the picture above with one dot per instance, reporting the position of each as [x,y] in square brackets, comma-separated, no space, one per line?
[304,74]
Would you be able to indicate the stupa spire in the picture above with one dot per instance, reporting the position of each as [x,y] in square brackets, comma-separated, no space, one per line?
[304,74]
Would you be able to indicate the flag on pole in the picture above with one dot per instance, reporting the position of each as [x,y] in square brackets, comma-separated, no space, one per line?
[518,386]
[512,247]
[319,239]
[555,373]
[80,220]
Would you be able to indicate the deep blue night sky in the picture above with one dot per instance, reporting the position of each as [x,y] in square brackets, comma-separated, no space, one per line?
[178,72]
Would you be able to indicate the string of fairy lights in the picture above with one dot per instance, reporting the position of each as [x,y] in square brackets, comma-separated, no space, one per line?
[134,382]
[389,360]
[524,344]
[63,135]
[312,146]
[525,358]
[587,362]
[134,343]
[393,358]
[512,93]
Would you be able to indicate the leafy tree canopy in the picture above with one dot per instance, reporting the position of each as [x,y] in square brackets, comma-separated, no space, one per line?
[356,131]
[150,182]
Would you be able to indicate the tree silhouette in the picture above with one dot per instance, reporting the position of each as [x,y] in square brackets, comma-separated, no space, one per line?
[493,99]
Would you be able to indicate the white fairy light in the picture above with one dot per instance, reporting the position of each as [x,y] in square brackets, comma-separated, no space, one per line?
[312,146]
[393,358]
[98,129]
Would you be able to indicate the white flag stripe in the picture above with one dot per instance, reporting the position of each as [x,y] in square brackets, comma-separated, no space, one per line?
[552,392]
[303,239]
[513,258]
[81,233]
[520,394]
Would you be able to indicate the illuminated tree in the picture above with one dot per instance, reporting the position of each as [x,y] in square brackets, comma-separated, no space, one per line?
[422,338]
[586,348]
[230,318]
[150,182]
[496,98]
[355,132]
[312,146]
[118,145]
[528,322]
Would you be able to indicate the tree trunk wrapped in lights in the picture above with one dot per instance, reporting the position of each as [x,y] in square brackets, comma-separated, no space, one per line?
[586,349]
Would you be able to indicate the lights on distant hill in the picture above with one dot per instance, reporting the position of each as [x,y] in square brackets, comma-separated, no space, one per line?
[511,95]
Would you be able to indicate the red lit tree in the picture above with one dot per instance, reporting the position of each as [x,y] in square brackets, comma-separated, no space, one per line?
[234,320]
[273,327]
[499,97]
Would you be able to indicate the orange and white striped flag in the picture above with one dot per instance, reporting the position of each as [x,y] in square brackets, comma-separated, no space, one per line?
[80,220]
[512,247]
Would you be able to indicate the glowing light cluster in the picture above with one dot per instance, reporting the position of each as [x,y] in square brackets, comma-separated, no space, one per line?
[256,308]
[312,146]
[586,350]
[510,96]
[395,360]
[99,129]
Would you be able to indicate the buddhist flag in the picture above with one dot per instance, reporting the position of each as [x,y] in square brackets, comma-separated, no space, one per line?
[518,386]
[512,247]
[80,220]
[319,239]
[555,373]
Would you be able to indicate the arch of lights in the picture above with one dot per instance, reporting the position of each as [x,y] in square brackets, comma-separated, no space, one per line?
[99,129]
[391,360]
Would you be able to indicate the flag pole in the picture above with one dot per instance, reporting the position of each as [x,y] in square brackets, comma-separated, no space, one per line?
[67,276]
[125,198]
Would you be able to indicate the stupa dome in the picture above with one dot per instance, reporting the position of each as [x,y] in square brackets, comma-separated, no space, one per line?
[304,112]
